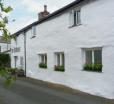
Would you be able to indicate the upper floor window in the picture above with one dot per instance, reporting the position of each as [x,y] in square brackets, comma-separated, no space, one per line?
[33,30]
[75,17]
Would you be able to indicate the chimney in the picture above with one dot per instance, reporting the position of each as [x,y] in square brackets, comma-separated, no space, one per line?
[43,14]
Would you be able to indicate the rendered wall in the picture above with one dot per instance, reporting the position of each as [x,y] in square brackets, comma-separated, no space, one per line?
[55,35]
[19,43]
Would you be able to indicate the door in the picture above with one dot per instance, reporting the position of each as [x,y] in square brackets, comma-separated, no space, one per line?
[15,61]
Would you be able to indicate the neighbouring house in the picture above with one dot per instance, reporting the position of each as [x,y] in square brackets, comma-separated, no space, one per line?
[73,46]
[18,52]
[4,45]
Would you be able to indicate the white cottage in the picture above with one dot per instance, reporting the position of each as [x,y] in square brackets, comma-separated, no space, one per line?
[73,46]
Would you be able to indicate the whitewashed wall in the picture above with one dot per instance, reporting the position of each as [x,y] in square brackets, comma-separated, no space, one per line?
[55,35]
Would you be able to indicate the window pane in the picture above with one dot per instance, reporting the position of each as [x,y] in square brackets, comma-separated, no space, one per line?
[78,17]
[42,59]
[34,30]
[88,57]
[58,59]
[98,57]
[63,59]
[45,59]
[75,17]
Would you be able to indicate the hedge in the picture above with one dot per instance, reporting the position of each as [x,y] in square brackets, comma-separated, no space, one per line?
[4,60]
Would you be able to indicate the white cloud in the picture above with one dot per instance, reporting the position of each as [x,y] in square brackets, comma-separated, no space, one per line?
[21,23]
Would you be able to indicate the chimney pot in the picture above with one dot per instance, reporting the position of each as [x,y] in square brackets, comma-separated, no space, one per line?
[43,14]
[45,7]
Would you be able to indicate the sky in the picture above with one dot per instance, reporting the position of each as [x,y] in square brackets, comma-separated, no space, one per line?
[26,11]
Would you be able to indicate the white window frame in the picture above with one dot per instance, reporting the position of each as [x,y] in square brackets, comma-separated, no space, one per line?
[33,31]
[93,50]
[61,62]
[44,56]
[75,17]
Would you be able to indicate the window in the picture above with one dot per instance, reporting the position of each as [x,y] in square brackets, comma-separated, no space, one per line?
[17,49]
[75,18]
[43,60]
[15,61]
[59,58]
[88,55]
[33,30]
[93,56]
[21,62]
[93,59]
[60,61]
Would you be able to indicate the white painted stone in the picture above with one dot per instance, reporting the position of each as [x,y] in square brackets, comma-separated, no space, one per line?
[54,35]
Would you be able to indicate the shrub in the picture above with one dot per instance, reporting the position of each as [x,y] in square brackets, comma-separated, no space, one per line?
[4,60]
[20,73]
[93,67]
[98,67]
[42,65]
[13,71]
[2,68]
[59,68]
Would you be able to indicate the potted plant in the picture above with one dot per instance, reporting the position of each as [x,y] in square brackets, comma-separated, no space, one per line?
[43,65]
[59,68]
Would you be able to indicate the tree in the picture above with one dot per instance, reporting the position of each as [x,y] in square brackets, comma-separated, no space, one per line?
[6,35]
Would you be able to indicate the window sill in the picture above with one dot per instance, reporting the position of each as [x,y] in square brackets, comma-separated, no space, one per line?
[92,71]
[33,37]
[42,68]
[74,25]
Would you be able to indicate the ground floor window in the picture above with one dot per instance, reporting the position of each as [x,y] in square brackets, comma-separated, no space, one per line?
[93,59]
[59,61]
[43,60]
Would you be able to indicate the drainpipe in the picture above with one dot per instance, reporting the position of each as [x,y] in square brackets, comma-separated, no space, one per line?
[25,50]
